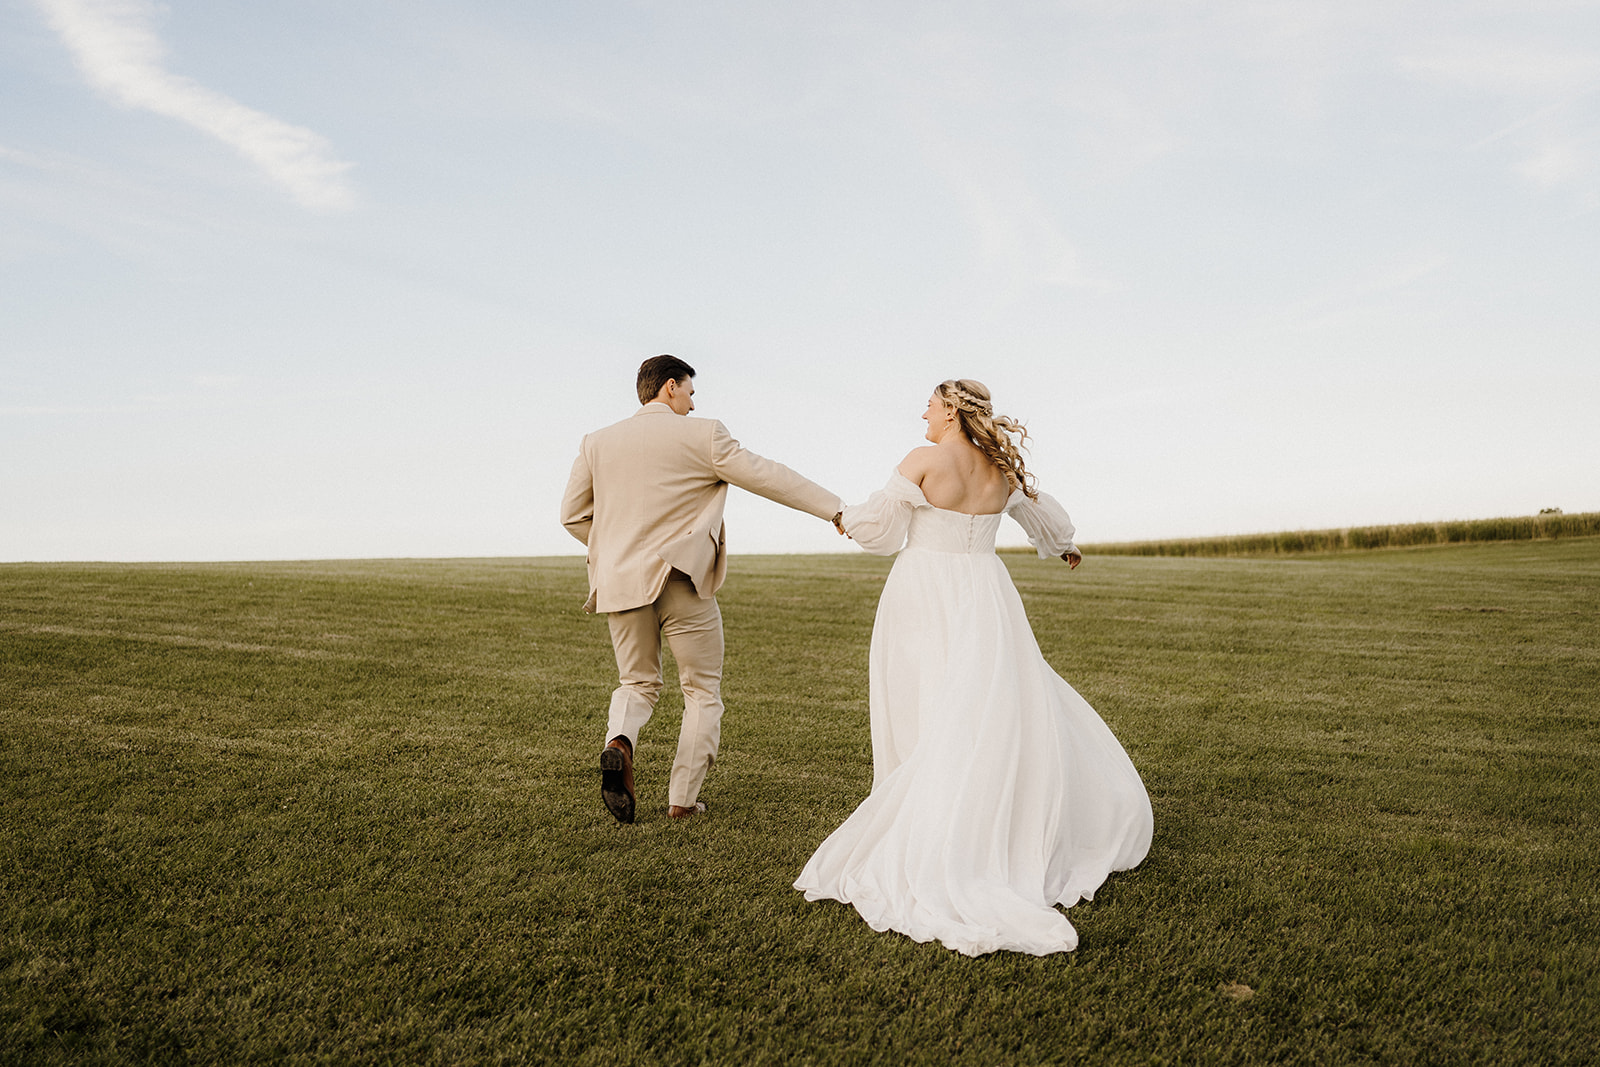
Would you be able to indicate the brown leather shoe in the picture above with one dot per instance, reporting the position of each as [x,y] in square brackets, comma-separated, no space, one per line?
[678,811]
[616,778]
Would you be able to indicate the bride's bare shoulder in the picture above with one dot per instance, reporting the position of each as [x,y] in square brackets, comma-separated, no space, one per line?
[918,462]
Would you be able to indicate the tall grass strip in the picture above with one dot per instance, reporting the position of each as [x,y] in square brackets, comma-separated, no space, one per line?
[1359,538]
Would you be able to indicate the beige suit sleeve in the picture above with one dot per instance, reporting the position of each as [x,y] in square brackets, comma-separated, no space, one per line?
[737,465]
[577,503]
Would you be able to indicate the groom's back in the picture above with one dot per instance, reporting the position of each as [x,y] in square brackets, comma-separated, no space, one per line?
[651,467]
[653,478]
[651,488]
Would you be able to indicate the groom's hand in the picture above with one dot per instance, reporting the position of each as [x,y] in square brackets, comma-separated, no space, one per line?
[1073,559]
[838,523]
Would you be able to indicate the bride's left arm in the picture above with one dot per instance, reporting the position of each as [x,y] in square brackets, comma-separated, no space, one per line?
[879,523]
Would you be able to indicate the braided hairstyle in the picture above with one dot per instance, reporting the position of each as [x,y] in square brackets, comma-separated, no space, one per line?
[990,432]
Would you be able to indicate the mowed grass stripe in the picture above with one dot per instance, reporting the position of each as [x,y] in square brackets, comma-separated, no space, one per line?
[346,811]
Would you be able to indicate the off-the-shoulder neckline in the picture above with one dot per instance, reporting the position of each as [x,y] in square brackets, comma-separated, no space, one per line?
[915,488]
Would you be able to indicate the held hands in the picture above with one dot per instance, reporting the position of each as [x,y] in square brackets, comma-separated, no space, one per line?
[1073,558]
[838,523]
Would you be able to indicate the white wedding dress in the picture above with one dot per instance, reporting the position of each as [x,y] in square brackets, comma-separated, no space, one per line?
[997,792]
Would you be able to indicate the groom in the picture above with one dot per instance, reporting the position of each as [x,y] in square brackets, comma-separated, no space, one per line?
[646,496]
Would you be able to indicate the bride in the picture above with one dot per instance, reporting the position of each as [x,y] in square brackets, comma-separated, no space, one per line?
[997,792]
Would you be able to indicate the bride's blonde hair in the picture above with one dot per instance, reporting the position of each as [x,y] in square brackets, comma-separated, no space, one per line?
[990,432]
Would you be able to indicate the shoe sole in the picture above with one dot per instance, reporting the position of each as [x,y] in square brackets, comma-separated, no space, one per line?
[613,784]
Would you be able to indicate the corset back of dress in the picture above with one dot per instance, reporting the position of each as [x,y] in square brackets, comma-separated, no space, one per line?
[937,530]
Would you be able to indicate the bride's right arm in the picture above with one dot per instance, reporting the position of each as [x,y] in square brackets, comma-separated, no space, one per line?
[1047,525]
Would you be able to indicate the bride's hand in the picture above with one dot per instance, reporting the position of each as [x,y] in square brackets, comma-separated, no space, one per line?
[1073,559]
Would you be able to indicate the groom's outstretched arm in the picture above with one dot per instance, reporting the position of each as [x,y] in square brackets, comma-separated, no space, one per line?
[739,466]
[577,503]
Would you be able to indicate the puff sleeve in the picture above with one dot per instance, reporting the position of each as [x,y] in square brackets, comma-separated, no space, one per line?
[1045,521]
[879,524]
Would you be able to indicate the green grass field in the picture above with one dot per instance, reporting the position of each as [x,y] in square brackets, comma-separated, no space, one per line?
[347,812]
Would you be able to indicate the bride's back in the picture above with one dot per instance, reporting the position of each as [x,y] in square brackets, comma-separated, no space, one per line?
[956,476]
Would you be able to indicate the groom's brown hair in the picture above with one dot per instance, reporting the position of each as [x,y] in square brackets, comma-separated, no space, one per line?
[658,371]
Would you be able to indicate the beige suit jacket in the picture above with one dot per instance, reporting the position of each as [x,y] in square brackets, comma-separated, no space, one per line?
[646,495]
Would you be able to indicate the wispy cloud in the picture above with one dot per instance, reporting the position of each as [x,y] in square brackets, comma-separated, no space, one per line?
[1352,294]
[1536,71]
[120,55]
[1556,142]
[1019,241]
[199,392]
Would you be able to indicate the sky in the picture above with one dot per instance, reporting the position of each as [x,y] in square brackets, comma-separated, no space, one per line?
[336,280]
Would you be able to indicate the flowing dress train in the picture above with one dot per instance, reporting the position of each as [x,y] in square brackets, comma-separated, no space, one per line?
[997,792]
